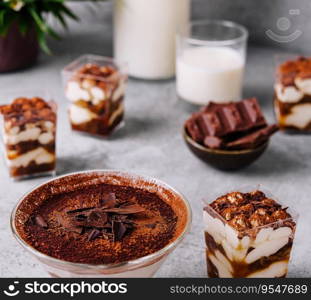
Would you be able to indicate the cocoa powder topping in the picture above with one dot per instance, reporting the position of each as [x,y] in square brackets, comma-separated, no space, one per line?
[101,224]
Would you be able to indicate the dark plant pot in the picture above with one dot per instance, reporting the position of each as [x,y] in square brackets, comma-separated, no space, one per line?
[18,51]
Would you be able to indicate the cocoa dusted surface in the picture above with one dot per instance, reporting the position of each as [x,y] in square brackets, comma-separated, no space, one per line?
[154,227]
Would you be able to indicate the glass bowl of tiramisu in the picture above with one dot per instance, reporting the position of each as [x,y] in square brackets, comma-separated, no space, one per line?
[95,87]
[101,224]
[248,234]
[29,135]
[229,135]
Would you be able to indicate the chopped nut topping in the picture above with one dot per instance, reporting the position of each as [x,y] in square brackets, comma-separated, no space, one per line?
[26,110]
[290,70]
[245,211]
[280,214]
[239,222]
[228,213]
[235,198]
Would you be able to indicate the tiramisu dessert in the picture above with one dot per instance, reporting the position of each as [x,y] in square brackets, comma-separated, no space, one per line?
[97,219]
[230,126]
[292,99]
[29,131]
[247,235]
[96,90]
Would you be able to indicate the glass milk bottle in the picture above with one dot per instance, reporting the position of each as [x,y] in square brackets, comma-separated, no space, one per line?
[145,35]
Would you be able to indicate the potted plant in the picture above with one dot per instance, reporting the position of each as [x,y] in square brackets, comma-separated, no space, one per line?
[24,28]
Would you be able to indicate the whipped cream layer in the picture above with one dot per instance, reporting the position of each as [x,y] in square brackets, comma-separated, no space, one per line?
[41,131]
[80,115]
[38,155]
[304,85]
[88,91]
[299,116]
[245,250]
[288,94]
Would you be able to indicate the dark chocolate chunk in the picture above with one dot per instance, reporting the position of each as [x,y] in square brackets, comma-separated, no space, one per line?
[97,218]
[95,233]
[213,142]
[254,139]
[118,230]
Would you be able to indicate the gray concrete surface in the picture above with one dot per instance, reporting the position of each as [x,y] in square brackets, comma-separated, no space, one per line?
[151,143]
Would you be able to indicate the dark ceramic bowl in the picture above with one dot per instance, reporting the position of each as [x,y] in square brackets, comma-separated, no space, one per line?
[224,159]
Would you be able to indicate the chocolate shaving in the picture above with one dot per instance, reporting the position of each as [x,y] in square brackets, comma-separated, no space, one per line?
[70,224]
[80,218]
[40,221]
[111,220]
[126,210]
[97,218]
[74,211]
[108,200]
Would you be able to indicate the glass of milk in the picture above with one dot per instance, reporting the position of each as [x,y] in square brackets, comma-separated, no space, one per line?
[145,35]
[211,61]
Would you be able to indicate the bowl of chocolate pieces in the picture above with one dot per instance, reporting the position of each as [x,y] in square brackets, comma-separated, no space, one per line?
[228,136]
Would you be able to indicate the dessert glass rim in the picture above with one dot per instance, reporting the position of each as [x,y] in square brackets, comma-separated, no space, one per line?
[220,151]
[130,263]
[75,64]
[244,189]
[183,33]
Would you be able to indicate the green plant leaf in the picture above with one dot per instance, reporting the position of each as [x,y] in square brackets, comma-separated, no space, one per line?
[33,13]
[42,40]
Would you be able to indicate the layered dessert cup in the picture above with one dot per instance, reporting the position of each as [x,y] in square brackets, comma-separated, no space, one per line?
[248,235]
[101,224]
[292,97]
[95,87]
[29,136]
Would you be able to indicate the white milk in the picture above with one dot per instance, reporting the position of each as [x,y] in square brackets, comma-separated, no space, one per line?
[144,35]
[210,74]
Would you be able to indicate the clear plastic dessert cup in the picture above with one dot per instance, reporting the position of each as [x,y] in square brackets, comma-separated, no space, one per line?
[95,86]
[145,266]
[29,133]
[292,93]
[262,251]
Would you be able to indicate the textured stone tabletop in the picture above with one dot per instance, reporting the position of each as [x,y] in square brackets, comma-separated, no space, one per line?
[151,143]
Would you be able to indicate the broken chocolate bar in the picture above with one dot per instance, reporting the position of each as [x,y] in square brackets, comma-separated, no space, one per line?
[236,125]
